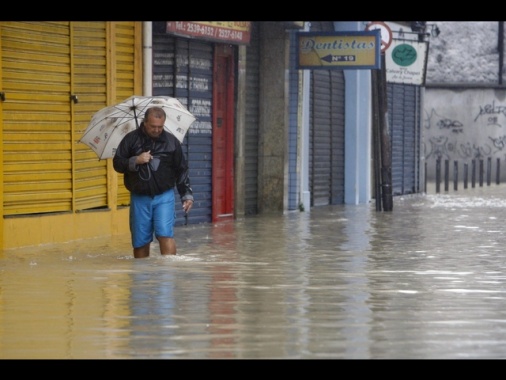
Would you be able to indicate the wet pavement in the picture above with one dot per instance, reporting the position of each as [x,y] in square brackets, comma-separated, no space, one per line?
[425,281]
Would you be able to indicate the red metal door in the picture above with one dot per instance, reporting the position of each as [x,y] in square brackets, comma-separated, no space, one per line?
[223,134]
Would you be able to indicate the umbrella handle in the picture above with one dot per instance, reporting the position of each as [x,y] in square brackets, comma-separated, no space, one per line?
[149,172]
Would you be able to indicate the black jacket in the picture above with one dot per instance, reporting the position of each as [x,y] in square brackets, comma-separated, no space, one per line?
[167,169]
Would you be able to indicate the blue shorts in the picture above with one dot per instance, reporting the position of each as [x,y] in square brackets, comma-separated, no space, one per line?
[151,215]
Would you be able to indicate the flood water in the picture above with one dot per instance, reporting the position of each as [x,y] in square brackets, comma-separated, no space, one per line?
[424,281]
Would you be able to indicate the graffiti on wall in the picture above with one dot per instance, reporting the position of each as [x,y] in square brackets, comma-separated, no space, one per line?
[491,112]
[452,138]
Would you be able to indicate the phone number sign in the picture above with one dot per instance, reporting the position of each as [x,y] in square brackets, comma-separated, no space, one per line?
[237,32]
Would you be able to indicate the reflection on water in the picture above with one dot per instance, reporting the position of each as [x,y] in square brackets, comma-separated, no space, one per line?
[426,280]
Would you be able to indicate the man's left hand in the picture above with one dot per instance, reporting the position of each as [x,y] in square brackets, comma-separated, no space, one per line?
[187,205]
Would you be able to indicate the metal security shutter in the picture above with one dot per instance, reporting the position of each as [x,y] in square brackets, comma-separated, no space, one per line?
[126,59]
[326,166]
[319,169]
[183,68]
[252,111]
[36,117]
[105,68]
[90,83]
[403,108]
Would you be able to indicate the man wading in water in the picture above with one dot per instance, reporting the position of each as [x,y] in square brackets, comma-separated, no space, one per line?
[153,164]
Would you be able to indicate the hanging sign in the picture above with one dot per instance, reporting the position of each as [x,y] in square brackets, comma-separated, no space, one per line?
[406,62]
[338,50]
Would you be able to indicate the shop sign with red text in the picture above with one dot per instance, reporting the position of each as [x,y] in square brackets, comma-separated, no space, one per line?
[234,32]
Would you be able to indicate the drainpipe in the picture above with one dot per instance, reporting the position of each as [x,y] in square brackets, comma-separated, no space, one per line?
[500,43]
[147,58]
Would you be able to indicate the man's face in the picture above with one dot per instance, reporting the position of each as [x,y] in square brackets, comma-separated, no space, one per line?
[154,126]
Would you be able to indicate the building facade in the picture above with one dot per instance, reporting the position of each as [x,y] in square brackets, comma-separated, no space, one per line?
[268,138]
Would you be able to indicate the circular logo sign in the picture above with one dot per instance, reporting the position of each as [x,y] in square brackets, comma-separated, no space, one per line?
[404,55]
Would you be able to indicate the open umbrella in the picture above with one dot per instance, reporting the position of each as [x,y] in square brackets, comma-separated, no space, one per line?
[109,125]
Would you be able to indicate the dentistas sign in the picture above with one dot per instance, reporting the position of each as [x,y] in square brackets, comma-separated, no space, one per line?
[338,50]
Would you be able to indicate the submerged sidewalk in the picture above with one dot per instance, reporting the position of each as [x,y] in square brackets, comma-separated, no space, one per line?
[425,281]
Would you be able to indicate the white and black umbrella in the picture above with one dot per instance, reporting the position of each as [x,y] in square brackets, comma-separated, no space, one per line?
[109,125]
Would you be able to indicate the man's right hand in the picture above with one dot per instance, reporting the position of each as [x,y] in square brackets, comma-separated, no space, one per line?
[144,158]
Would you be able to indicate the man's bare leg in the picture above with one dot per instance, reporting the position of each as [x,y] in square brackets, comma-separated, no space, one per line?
[167,246]
[141,252]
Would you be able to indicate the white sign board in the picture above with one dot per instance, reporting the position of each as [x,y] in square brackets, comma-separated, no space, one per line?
[406,62]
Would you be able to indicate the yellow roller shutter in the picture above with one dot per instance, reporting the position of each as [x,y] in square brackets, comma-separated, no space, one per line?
[90,86]
[127,70]
[37,139]
[55,76]
[107,70]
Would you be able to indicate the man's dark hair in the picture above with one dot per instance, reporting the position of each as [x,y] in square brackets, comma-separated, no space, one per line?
[157,112]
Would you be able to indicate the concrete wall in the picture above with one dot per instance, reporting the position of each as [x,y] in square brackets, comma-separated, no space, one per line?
[464,124]
[464,101]
[464,52]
